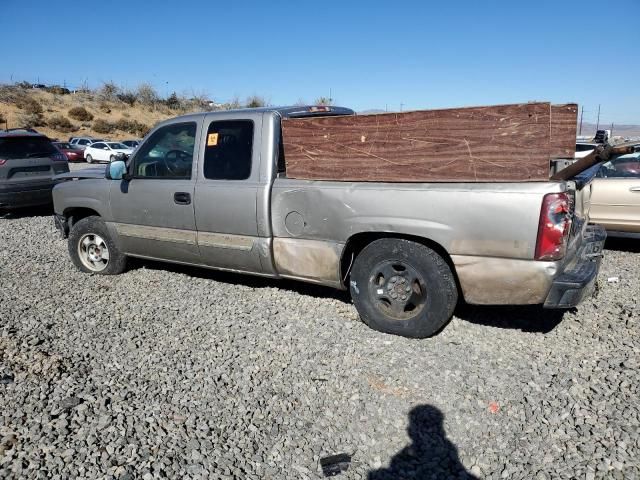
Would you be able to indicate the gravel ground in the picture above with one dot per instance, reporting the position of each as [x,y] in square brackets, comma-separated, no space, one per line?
[169,372]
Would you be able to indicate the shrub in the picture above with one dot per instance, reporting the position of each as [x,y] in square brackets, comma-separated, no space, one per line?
[30,120]
[146,94]
[80,113]
[2,119]
[108,91]
[130,126]
[28,104]
[104,107]
[127,97]
[58,90]
[23,84]
[255,101]
[323,101]
[102,126]
[61,124]
[173,101]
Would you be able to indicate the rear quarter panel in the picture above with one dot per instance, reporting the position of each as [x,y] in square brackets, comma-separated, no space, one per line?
[488,230]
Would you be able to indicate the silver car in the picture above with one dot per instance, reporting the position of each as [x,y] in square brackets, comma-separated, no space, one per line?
[28,162]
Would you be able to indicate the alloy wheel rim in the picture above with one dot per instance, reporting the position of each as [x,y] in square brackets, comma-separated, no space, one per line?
[93,252]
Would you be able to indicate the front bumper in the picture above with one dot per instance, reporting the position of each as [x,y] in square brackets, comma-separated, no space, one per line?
[578,281]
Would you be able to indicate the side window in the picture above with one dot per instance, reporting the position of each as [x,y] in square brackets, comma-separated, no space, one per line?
[229,145]
[83,142]
[98,145]
[168,153]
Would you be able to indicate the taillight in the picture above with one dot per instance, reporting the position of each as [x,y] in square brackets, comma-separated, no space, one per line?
[2,161]
[554,227]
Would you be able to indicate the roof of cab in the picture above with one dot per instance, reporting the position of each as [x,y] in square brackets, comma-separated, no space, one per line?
[299,111]
[20,133]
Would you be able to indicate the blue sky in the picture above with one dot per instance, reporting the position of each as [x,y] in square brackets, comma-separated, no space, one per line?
[369,54]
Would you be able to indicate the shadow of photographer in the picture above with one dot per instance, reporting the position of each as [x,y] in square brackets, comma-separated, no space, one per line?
[430,455]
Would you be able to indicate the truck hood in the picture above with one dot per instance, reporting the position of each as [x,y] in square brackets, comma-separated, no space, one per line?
[92,172]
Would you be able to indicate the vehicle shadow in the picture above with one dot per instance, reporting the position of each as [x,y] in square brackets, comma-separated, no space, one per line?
[622,244]
[429,455]
[25,212]
[527,318]
[252,281]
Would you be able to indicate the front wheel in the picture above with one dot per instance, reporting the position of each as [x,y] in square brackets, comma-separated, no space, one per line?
[93,250]
[89,159]
[403,288]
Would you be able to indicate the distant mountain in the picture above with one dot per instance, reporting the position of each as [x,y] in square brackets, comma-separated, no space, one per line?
[371,111]
[618,130]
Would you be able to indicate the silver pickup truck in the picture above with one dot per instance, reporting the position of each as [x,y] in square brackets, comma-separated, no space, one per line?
[211,190]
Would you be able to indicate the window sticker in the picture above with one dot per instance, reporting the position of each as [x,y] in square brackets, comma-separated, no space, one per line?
[212,140]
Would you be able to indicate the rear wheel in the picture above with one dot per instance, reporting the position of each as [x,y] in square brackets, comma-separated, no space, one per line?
[89,158]
[93,250]
[403,288]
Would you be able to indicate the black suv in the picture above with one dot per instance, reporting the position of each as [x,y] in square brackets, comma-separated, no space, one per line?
[28,162]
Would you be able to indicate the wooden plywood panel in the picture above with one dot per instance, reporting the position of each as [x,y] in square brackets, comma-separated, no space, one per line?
[564,121]
[496,143]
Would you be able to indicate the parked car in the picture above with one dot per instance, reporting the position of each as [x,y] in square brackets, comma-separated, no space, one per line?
[131,143]
[28,163]
[83,142]
[615,197]
[73,153]
[105,151]
[219,198]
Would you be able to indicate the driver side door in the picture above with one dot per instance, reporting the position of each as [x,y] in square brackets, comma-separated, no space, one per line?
[153,211]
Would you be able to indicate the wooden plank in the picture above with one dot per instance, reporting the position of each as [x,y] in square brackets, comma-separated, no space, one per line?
[496,143]
[564,122]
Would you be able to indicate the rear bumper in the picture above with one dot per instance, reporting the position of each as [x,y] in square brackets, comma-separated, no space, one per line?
[577,282]
[15,196]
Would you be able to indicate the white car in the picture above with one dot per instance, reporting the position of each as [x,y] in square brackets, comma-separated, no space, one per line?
[105,151]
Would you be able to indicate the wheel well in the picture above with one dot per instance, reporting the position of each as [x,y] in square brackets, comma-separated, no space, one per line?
[73,215]
[356,243]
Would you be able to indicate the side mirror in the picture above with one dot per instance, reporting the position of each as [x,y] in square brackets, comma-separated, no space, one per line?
[105,148]
[116,170]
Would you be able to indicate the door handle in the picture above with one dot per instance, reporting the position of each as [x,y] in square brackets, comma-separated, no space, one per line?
[634,189]
[182,198]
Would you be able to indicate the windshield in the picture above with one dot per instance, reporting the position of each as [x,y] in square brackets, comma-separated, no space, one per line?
[66,146]
[116,145]
[26,147]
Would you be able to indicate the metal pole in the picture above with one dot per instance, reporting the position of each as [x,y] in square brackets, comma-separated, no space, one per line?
[611,129]
[598,124]
[581,114]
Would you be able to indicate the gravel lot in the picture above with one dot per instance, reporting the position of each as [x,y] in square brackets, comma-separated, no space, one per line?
[169,372]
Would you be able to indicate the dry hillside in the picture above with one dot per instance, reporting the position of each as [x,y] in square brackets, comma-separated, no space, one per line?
[110,114]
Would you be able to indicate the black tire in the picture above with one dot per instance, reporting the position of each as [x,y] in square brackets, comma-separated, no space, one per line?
[423,286]
[88,158]
[87,231]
